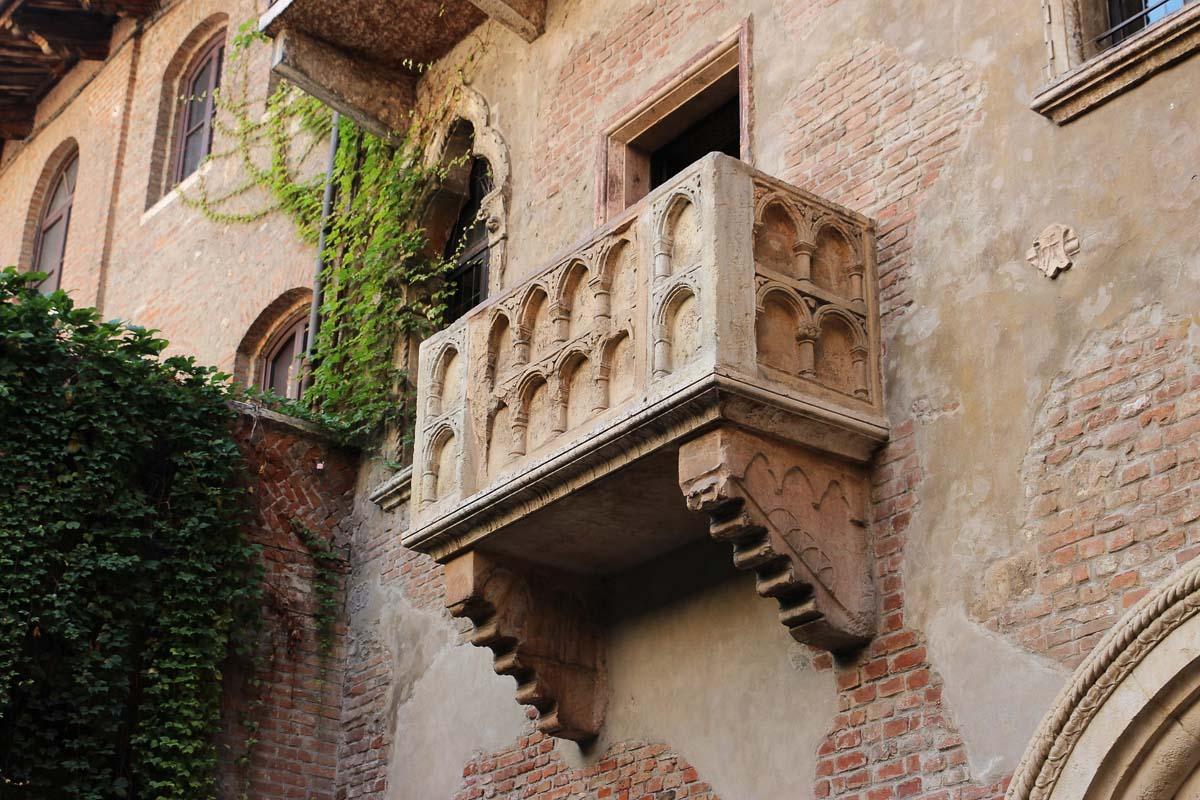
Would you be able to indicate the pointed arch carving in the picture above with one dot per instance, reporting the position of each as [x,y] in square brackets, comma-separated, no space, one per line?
[471,132]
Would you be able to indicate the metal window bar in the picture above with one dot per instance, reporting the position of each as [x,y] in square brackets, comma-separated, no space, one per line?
[1119,32]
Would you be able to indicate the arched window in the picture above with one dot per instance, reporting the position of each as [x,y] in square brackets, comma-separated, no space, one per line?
[194,122]
[281,370]
[50,244]
[467,245]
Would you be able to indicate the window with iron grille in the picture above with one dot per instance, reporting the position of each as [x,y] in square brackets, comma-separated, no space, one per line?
[467,246]
[51,243]
[281,370]
[1127,17]
[197,104]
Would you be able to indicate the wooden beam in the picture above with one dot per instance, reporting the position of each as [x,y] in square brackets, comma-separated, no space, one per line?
[16,123]
[526,18]
[72,34]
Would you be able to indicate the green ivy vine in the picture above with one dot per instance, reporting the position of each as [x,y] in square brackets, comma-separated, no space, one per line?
[127,577]
[383,284]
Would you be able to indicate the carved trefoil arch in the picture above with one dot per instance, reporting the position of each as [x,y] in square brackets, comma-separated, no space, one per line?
[1127,725]
[471,133]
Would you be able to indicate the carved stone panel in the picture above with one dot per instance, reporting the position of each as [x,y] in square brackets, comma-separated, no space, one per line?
[796,519]
[542,633]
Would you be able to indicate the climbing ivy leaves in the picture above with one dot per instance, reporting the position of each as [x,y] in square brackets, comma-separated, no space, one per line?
[125,574]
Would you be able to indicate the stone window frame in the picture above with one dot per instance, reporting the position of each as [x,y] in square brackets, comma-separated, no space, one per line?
[1078,78]
[622,171]
[441,208]
[164,154]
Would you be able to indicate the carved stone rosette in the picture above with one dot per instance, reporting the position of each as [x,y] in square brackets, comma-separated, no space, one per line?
[541,632]
[795,519]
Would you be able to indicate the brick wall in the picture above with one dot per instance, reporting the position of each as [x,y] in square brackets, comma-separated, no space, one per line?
[289,699]
[628,771]
[200,282]
[1113,486]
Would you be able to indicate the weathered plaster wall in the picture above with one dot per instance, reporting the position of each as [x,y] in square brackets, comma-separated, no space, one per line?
[915,113]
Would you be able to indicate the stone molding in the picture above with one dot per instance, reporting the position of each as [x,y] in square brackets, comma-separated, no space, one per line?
[1076,87]
[1116,656]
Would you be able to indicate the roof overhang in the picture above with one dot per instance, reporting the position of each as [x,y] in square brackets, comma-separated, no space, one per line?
[41,40]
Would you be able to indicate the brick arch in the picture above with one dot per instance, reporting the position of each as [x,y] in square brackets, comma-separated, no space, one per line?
[162,153]
[66,150]
[280,313]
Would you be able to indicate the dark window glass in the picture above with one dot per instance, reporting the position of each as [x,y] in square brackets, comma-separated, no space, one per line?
[468,246]
[281,368]
[196,107]
[718,132]
[51,244]
[1127,17]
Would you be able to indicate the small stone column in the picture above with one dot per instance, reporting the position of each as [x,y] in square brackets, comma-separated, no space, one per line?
[859,355]
[520,426]
[803,253]
[855,271]
[662,257]
[806,337]
[521,342]
[602,301]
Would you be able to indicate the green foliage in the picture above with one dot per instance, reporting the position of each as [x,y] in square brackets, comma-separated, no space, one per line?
[125,570]
[382,283]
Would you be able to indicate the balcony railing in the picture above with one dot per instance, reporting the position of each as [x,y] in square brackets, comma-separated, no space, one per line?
[715,349]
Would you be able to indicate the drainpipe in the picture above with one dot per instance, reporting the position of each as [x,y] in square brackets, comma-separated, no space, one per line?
[318,287]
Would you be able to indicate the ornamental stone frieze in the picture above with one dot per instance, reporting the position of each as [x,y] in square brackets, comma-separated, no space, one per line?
[706,364]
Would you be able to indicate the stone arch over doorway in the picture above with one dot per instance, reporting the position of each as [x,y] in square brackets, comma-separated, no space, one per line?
[1127,726]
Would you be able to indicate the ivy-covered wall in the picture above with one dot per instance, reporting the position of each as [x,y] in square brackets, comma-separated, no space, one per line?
[281,709]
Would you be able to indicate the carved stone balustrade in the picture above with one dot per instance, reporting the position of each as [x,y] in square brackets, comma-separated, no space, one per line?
[707,364]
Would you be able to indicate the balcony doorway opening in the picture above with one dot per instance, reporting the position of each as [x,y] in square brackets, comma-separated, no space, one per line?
[703,109]
[705,130]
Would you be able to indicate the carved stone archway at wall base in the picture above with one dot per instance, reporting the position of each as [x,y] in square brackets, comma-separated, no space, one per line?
[1128,723]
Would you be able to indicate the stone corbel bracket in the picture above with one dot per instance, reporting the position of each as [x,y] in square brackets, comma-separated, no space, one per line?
[797,519]
[541,632]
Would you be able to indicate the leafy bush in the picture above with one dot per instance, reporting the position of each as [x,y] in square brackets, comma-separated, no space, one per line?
[125,574]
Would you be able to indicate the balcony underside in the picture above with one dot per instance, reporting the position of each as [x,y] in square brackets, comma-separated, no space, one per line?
[363,57]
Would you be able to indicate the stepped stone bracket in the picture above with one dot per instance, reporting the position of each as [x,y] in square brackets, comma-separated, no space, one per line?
[541,632]
[794,517]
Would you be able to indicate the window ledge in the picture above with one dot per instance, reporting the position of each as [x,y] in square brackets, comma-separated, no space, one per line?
[170,197]
[1120,68]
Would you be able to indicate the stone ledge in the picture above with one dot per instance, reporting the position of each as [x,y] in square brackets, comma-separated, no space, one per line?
[1121,67]
[394,491]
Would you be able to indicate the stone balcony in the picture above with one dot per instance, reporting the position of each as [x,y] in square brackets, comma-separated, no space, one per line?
[364,58]
[707,364]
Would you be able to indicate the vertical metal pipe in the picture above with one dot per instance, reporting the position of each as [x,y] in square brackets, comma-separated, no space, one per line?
[318,285]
